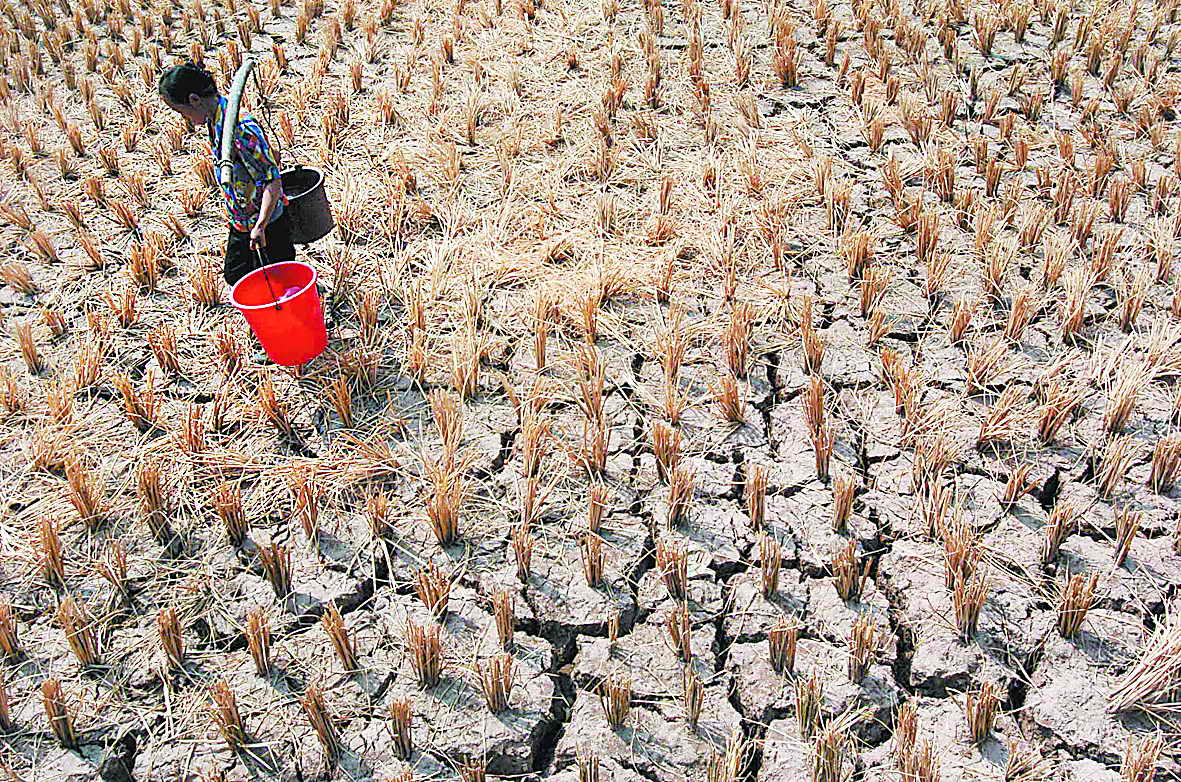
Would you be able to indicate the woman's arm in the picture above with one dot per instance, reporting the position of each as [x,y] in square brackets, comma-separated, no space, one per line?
[257,157]
[270,197]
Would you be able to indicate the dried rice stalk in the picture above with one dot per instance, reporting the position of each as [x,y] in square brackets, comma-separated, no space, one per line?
[1153,683]
[23,332]
[86,493]
[171,639]
[9,640]
[61,721]
[226,716]
[334,627]
[322,722]
[82,631]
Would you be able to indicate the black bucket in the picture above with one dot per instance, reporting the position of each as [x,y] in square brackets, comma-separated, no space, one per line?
[307,204]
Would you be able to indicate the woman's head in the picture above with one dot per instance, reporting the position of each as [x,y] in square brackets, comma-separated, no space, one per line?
[189,90]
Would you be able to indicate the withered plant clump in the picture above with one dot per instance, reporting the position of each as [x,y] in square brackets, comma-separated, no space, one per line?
[474,770]
[53,566]
[832,751]
[258,640]
[967,598]
[770,561]
[851,575]
[82,631]
[680,632]
[1062,524]
[426,653]
[433,589]
[864,643]
[906,732]
[1166,463]
[843,492]
[522,542]
[402,727]
[615,695]
[693,696]
[444,506]
[502,611]
[273,408]
[1127,525]
[1141,754]
[666,446]
[496,681]
[809,702]
[980,709]
[672,562]
[1114,461]
[6,723]
[680,496]
[921,762]
[154,504]
[307,495]
[9,639]
[728,766]
[820,429]
[338,634]
[86,494]
[171,638]
[227,503]
[588,765]
[275,559]
[782,640]
[1025,763]
[598,504]
[1150,684]
[1018,484]
[755,491]
[114,568]
[1076,598]
[61,719]
[593,560]
[323,723]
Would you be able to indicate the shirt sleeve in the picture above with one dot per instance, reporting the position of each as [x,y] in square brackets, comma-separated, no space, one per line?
[256,153]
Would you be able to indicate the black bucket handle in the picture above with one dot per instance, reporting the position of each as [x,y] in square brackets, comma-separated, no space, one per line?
[262,264]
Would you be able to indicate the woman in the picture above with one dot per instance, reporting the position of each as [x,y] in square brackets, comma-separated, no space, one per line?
[255,203]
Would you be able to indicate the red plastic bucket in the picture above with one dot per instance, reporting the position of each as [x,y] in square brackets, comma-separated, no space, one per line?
[293,332]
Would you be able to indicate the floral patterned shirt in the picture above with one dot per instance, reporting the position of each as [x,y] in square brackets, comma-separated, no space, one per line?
[254,167]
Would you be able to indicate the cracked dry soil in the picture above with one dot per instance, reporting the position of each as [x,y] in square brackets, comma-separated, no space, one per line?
[867,250]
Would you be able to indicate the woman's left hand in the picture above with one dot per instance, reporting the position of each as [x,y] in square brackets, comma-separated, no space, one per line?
[258,237]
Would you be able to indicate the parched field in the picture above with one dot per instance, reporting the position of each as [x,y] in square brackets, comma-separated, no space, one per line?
[715,391]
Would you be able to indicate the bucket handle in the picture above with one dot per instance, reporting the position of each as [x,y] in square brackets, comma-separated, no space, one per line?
[263,265]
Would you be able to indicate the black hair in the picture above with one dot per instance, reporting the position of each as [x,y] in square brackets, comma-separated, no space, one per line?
[180,81]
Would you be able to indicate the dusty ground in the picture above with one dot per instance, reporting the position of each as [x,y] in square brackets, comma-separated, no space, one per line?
[981,241]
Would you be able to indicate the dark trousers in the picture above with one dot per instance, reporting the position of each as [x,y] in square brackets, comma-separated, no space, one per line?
[241,259]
